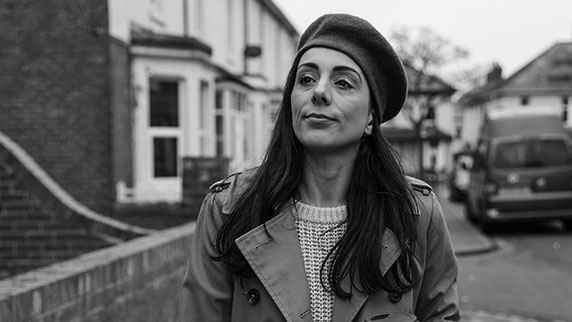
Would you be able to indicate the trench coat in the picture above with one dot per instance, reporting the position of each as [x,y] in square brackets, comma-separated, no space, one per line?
[280,291]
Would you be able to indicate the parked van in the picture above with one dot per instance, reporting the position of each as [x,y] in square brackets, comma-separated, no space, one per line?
[522,170]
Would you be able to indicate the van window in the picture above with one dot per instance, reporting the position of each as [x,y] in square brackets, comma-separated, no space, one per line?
[531,152]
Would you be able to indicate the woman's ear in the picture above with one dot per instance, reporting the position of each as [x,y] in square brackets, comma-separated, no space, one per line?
[369,127]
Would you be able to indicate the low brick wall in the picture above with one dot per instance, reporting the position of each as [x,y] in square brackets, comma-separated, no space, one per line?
[41,224]
[139,281]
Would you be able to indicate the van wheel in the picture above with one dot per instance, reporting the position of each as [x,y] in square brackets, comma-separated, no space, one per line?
[486,227]
[469,214]
[568,225]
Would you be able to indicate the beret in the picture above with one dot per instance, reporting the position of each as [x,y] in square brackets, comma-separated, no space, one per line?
[379,62]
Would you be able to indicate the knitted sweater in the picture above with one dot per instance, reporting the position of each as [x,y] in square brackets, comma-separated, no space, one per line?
[319,230]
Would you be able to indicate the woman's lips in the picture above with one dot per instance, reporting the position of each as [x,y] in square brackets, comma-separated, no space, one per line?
[316,120]
[321,117]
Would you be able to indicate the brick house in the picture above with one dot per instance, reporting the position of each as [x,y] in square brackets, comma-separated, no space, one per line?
[107,96]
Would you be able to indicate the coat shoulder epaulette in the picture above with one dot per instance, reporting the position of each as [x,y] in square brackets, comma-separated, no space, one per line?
[223,184]
[420,186]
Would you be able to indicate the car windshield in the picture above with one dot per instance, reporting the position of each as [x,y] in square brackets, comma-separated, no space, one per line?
[531,152]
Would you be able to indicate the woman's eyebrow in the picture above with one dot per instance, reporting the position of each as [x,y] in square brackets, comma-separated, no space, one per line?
[343,68]
[309,65]
[339,68]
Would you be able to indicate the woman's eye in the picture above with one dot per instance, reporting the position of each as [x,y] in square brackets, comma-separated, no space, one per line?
[305,80]
[343,83]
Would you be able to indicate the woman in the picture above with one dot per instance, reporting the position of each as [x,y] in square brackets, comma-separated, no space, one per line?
[327,228]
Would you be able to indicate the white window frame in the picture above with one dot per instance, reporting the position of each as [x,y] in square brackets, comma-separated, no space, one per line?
[152,132]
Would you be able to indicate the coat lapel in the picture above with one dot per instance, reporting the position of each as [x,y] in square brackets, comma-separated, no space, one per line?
[275,257]
[347,309]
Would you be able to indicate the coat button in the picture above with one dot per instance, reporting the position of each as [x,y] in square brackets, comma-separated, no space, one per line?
[395,297]
[253,296]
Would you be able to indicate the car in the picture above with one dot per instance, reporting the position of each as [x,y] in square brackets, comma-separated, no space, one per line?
[522,171]
[460,176]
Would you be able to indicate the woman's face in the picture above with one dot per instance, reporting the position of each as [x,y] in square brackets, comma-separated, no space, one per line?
[330,101]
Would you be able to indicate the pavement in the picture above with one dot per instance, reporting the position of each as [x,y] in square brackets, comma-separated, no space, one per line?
[469,240]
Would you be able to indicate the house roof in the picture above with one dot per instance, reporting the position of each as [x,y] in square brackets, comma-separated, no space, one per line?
[147,38]
[279,15]
[227,77]
[423,84]
[550,73]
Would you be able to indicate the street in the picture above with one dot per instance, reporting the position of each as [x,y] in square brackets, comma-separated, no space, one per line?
[528,277]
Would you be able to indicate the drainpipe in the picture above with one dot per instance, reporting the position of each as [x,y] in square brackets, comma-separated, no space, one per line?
[185,18]
[245,17]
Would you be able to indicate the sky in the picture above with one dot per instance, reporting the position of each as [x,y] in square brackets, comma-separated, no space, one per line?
[508,32]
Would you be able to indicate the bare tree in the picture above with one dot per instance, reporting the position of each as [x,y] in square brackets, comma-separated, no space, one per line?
[428,52]
[468,78]
[425,50]
[424,54]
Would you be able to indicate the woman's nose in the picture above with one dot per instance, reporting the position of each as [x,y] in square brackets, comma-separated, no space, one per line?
[321,95]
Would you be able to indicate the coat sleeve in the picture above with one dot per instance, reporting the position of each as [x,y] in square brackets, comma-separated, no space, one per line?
[438,299]
[207,288]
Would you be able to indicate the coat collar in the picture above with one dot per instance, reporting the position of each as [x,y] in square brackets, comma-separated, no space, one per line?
[275,256]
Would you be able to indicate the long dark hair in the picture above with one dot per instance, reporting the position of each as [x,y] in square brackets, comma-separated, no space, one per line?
[378,196]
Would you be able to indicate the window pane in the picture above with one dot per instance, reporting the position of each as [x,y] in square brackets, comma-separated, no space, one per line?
[552,152]
[204,116]
[219,135]
[165,157]
[164,103]
[218,99]
[532,153]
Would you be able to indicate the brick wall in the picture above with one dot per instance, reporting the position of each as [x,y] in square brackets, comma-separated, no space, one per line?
[55,91]
[36,228]
[40,224]
[31,236]
[137,281]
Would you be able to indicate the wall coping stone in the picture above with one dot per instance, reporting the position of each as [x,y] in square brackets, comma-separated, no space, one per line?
[89,272]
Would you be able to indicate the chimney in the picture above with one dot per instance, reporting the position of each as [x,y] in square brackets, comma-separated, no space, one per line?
[494,74]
